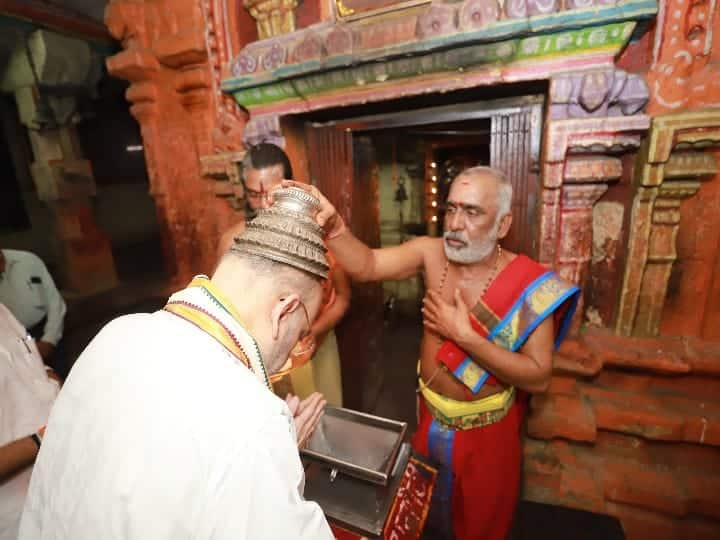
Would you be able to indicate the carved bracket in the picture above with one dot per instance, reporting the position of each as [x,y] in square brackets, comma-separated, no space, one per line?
[581,159]
[581,151]
[672,162]
[224,170]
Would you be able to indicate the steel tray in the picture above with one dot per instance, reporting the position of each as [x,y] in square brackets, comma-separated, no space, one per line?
[358,444]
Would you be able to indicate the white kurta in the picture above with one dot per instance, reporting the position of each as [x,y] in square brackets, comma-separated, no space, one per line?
[159,433]
[26,395]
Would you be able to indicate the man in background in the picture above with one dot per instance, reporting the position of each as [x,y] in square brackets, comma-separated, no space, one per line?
[26,395]
[263,170]
[29,292]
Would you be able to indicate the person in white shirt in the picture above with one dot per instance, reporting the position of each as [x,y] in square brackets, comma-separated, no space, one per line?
[28,290]
[26,395]
[167,429]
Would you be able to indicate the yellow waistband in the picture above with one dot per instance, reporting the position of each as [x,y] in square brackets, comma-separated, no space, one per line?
[467,414]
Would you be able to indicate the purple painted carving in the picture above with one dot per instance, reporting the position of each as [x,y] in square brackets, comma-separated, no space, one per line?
[273,57]
[243,64]
[516,9]
[437,20]
[634,96]
[595,90]
[477,14]
[339,41]
[310,48]
[597,93]
[542,7]
[618,83]
[579,4]
[263,129]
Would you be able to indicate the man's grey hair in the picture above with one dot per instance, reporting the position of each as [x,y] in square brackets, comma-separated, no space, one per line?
[505,189]
[277,272]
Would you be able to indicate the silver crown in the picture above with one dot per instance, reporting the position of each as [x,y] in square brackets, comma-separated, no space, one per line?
[287,233]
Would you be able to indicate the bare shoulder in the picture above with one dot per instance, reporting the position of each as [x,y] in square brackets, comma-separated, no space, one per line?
[227,238]
[428,245]
[433,254]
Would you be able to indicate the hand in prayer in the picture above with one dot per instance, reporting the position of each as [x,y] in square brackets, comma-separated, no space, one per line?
[307,414]
[328,217]
[450,321]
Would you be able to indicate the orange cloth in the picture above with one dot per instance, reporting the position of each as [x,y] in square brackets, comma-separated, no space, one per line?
[327,285]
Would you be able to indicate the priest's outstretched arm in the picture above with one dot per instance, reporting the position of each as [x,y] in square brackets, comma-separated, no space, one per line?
[360,261]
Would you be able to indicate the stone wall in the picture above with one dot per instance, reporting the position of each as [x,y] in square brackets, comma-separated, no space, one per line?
[172,52]
[631,425]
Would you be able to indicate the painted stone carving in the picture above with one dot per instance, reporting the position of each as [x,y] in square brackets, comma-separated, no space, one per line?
[273,17]
[477,14]
[519,9]
[243,64]
[684,71]
[436,21]
[274,57]
[339,41]
[597,93]
[310,48]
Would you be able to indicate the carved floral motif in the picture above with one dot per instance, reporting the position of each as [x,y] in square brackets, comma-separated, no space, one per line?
[339,41]
[310,48]
[438,19]
[519,9]
[243,64]
[274,57]
[476,14]
[684,70]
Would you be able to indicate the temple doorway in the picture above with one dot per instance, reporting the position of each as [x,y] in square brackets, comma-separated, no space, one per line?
[388,174]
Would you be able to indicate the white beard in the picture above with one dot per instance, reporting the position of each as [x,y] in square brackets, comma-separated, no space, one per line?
[471,252]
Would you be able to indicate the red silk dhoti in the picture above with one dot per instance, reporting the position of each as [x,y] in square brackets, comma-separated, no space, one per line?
[478,454]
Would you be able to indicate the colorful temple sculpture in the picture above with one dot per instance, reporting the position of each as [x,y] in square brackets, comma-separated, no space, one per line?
[611,138]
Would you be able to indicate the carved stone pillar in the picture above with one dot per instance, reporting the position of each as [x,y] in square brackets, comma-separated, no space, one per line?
[173,52]
[64,180]
[575,246]
[672,162]
[581,159]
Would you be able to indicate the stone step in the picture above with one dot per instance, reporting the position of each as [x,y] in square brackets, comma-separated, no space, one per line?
[596,349]
[658,490]
[576,410]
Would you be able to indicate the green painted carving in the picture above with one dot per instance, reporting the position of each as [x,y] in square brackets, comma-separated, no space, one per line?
[520,52]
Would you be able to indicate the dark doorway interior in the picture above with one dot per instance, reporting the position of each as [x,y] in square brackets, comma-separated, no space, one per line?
[13,216]
[388,173]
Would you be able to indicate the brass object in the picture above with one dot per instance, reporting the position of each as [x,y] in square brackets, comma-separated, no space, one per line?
[273,17]
[343,10]
[287,233]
